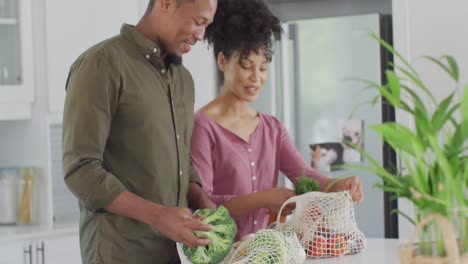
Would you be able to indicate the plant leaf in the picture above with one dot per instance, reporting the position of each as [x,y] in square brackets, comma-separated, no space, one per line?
[464,108]
[394,83]
[415,79]
[404,215]
[389,47]
[440,116]
[451,69]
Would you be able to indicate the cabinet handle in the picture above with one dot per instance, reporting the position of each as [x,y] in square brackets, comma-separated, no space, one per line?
[28,251]
[40,249]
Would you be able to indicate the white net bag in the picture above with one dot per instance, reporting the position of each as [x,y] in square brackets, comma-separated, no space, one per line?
[325,224]
[268,246]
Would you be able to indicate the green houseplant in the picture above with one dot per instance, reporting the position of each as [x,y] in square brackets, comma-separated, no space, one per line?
[433,152]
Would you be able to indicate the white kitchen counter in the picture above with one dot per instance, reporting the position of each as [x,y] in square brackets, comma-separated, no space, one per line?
[382,251]
[31,232]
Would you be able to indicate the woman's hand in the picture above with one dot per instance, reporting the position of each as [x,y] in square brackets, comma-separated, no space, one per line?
[274,198]
[352,184]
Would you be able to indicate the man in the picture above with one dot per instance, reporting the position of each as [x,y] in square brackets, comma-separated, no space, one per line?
[127,126]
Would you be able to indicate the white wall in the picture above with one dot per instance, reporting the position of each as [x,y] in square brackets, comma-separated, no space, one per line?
[434,28]
[201,64]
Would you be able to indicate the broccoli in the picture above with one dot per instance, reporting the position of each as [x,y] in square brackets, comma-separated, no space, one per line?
[263,257]
[305,185]
[275,247]
[221,236]
[268,247]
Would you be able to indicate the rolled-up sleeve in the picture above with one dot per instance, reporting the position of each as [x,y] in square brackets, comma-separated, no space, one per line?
[193,175]
[91,100]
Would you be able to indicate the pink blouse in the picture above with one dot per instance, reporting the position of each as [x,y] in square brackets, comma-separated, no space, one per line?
[228,166]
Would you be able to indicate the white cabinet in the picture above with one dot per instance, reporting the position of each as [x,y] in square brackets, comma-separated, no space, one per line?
[74,26]
[54,250]
[16,70]
[59,250]
[13,253]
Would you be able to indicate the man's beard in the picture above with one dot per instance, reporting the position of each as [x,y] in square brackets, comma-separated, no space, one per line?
[172,58]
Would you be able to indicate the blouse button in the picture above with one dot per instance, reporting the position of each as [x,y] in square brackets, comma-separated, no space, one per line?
[249,150]
[252,164]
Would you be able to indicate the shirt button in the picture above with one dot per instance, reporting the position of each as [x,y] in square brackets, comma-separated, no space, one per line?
[163,71]
[155,50]
[249,150]
[148,56]
[255,222]
[254,178]
[254,190]
[180,173]
[252,164]
[178,137]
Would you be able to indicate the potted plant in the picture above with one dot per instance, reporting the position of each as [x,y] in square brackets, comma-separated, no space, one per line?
[433,152]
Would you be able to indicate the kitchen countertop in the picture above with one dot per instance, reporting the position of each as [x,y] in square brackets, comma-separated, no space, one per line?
[382,251]
[31,232]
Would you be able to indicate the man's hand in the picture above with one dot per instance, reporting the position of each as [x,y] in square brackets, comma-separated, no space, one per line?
[352,184]
[178,224]
[175,223]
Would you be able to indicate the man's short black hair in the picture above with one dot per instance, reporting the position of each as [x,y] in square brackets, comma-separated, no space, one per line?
[152,2]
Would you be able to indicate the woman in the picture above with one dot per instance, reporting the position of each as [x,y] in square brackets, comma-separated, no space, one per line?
[237,151]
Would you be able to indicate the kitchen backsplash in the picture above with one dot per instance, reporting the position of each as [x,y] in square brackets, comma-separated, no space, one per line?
[65,205]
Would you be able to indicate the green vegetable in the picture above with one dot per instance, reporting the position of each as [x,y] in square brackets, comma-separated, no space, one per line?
[263,257]
[221,236]
[268,246]
[305,185]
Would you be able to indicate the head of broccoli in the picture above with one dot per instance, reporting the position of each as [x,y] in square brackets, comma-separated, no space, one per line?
[267,247]
[263,257]
[221,236]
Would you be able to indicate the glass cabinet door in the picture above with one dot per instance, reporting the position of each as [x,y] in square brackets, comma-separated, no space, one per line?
[10,44]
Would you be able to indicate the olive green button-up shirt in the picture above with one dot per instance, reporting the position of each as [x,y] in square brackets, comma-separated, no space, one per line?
[127,125]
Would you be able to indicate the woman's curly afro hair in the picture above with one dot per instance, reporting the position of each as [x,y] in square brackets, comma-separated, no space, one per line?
[245,26]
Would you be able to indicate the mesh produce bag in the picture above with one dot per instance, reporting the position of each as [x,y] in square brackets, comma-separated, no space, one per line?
[324,224]
[268,246]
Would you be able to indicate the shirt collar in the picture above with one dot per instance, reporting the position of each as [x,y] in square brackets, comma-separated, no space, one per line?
[145,46]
